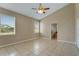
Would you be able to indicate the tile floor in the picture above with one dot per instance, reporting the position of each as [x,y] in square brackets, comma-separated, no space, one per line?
[40,47]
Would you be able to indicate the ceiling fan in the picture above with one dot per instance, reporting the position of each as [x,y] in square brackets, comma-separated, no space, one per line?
[41,9]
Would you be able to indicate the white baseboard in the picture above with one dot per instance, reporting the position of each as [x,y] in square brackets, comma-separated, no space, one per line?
[44,37]
[18,42]
[34,39]
[62,41]
[67,42]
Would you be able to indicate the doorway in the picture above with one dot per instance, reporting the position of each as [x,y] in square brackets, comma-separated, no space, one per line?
[54,32]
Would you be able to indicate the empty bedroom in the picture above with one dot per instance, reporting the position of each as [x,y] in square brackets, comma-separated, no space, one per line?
[39,29]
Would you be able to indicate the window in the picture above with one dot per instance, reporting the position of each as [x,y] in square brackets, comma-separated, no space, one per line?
[7,25]
[41,27]
[36,26]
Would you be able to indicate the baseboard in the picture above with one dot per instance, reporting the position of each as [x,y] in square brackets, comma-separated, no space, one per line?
[62,41]
[17,42]
[44,37]
[34,39]
[67,42]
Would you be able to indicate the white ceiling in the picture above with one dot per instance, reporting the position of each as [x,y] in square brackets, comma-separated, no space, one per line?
[26,8]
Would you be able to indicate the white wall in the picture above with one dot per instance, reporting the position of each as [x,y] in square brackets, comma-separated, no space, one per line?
[65,20]
[24,28]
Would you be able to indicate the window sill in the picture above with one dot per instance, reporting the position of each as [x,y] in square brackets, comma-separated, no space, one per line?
[2,34]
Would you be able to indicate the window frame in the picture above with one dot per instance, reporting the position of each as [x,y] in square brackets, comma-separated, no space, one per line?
[38,26]
[14,27]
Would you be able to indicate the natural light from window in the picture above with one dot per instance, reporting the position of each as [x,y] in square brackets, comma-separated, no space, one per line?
[36,26]
[7,25]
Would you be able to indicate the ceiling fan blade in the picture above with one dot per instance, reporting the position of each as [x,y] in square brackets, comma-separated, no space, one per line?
[34,8]
[46,8]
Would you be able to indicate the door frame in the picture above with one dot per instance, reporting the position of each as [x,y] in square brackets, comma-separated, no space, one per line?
[51,28]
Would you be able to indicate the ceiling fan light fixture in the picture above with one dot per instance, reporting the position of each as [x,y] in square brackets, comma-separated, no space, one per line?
[40,11]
